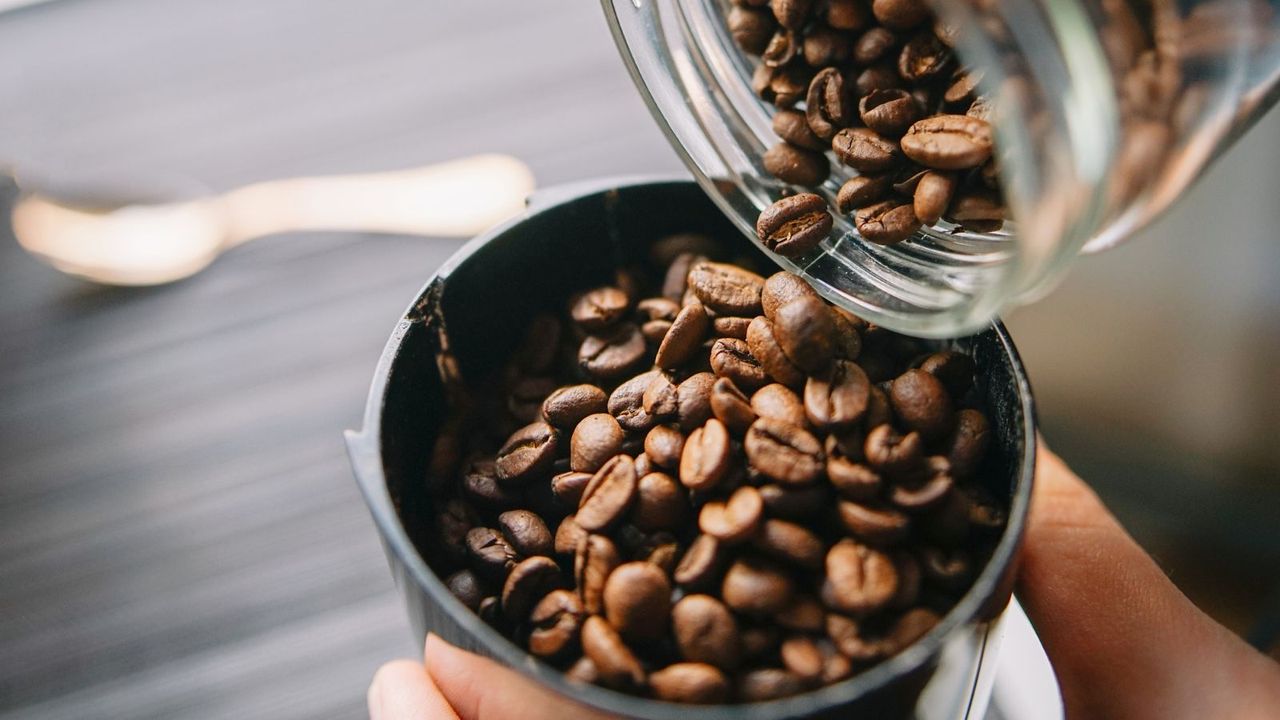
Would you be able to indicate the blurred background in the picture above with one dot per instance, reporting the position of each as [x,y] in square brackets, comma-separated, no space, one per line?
[179,531]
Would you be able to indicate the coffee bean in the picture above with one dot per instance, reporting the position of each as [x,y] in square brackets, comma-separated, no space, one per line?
[726,289]
[791,14]
[874,45]
[786,453]
[609,495]
[962,87]
[751,28]
[731,407]
[754,586]
[954,369]
[911,626]
[735,520]
[880,76]
[782,48]
[768,684]
[793,127]
[779,403]
[802,656]
[664,445]
[792,502]
[490,611]
[694,401]
[865,150]
[976,209]
[659,399]
[873,524]
[948,568]
[926,489]
[794,225]
[528,582]
[731,327]
[803,614]
[675,281]
[781,288]
[568,535]
[853,480]
[626,403]
[490,554]
[788,542]
[762,343]
[556,623]
[695,683]
[828,106]
[613,352]
[887,222]
[922,404]
[480,485]
[847,637]
[527,453]
[968,443]
[583,671]
[684,338]
[617,666]
[706,458]
[731,358]
[888,112]
[657,308]
[860,191]
[900,14]
[596,439]
[706,632]
[789,84]
[837,399]
[760,642]
[796,165]
[804,328]
[878,410]
[932,195]
[565,407]
[859,580]
[660,503]
[595,557]
[664,556]
[524,401]
[568,487]
[637,601]
[823,46]
[599,308]
[909,578]
[526,532]
[923,57]
[948,142]
[466,586]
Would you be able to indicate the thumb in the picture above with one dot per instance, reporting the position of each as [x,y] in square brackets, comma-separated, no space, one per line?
[480,689]
[1124,642]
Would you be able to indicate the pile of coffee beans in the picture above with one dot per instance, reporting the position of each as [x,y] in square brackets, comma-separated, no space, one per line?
[702,485]
[877,84]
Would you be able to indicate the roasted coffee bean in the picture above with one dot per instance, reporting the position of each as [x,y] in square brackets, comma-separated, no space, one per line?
[932,196]
[684,338]
[664,556]
[878,410]
[655,330]
[732,327]
[568,487]
[731,358]
[726,289]
[755,586]
[659,399]
[706,632]
[701,564]
[527,583]
[657,308]
[888,112]
[660,503]
[967,445]
[782,48]
[877,525]
[908,580]
[922,404]
[595,557]
[527,453]
[823,47]
[490,553]
[762,343]
[874,45]
[751,28]
[803,614]
[796,224]
[836,666]
[694,683]
[768,684]
[828,106]
[984,514]
[524,402]
[617,666]
[480,485]
[609,495]
[760,642]
[925,489]
[599,308]
[490,611]
[613,352]
[880,76]
[791,14]
[596,439]
[956,371]
[860,580]
[792,502]
[626,404]
[788,542]
[793,127]
[644,465]
[805,329]
[962,87]
[735,520]
[664,445]
[565,407]
[853,480]
[779,403]
[706,458]
[583,671]
[911,626]
[466,586]
[847,637]
[900,14]
[796,165]
[837,399]
[676,280]
[860,191]
[786,453]
[976,210]
[637,601]
[693,401]
[568,535]
[949,568]
[452,524]
[848,334]
[887,222]
[865,150]
[526,532]
[789,84]
[802,656]
[948,142]
[731,407]
[923,58]
[781,288]
[556,623]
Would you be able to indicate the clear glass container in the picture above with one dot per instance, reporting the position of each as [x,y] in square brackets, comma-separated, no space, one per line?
[1104,112]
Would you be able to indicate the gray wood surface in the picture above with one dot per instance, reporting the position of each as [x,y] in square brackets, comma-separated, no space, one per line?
[180,535]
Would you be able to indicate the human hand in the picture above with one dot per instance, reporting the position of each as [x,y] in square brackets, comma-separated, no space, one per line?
[1124,642]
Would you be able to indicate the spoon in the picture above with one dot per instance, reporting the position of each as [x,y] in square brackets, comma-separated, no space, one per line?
[152,244]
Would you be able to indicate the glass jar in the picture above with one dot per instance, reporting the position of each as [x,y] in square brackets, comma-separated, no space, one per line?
[1104,112]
